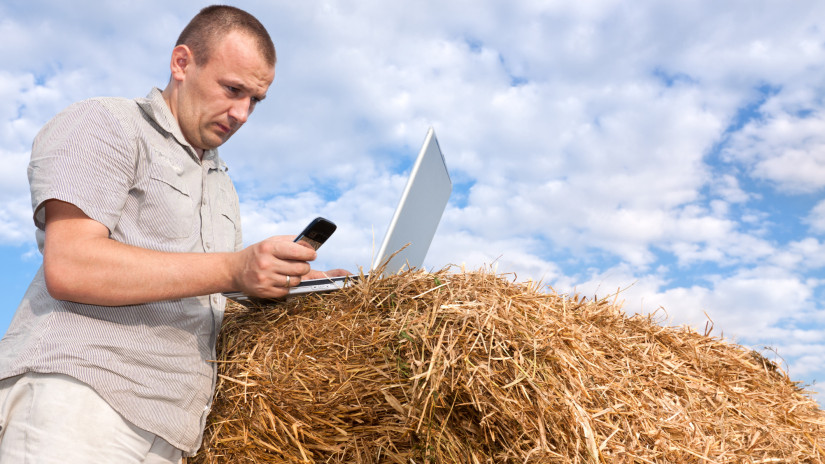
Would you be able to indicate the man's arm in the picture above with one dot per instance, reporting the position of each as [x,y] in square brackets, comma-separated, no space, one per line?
[82,264]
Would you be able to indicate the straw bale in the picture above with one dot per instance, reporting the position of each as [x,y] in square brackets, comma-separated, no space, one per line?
[469,367]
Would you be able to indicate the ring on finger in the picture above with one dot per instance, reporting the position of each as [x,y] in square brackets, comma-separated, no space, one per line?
[287,281]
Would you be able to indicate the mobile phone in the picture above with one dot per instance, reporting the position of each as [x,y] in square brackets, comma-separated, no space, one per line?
[317,232]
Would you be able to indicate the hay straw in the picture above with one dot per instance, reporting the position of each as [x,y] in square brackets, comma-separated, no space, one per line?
[471,368]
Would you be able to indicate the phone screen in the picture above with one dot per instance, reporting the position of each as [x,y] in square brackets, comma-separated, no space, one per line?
[317,232]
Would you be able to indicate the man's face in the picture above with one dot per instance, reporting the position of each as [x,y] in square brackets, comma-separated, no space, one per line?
[216,98]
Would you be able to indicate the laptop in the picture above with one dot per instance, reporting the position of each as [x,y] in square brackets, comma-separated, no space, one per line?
[412,227]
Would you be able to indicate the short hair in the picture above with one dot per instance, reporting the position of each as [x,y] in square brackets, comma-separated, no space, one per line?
[214,22]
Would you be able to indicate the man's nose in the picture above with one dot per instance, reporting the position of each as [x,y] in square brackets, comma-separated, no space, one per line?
[241,109]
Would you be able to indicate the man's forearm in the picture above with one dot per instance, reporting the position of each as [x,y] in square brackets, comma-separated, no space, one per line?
[102,271]
[82,264]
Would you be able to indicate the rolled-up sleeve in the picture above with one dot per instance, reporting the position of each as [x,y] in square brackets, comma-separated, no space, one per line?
[92,168]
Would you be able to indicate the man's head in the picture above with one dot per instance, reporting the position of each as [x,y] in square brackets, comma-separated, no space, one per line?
[222,66]
[214,22]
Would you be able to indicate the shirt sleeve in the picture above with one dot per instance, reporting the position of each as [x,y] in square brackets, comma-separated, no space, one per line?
[84,157]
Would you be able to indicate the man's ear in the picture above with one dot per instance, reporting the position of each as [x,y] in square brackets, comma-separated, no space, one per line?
[182,59]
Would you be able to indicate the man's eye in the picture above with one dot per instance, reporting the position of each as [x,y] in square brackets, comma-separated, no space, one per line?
[232,89]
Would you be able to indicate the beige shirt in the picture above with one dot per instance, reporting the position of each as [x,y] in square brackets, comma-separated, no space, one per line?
[126,164]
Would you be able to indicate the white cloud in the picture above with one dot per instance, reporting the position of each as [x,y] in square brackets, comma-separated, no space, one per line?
[807,254]
[13,177]
[16,226]
[816,219]
[785,149]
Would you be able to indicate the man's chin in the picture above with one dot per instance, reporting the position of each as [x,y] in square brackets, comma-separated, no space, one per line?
[215,142]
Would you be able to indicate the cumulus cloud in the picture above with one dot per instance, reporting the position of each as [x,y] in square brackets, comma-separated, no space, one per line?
[785,149]
[816,218]
[15,220]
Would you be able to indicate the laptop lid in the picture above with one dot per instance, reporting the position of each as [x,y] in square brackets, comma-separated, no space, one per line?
[419,211]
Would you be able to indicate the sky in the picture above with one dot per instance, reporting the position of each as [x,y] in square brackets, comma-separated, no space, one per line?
[670,155]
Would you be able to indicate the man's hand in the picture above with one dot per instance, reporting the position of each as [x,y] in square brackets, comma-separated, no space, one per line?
[263,268]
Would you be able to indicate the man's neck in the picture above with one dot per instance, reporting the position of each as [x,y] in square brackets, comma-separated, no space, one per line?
[168,95]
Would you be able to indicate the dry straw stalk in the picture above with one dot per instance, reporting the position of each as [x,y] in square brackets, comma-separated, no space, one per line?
[469,367]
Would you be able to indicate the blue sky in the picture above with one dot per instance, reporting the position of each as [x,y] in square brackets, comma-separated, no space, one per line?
[673,151]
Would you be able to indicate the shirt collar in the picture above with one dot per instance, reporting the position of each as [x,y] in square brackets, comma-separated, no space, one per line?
[154,105]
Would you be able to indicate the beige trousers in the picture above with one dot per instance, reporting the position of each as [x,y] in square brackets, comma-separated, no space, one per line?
[55,419]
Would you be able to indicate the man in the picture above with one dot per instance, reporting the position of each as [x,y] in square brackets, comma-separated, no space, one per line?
[108,358]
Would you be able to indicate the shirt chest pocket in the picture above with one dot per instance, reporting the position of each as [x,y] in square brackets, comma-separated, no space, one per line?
[167,209]
[227,218]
